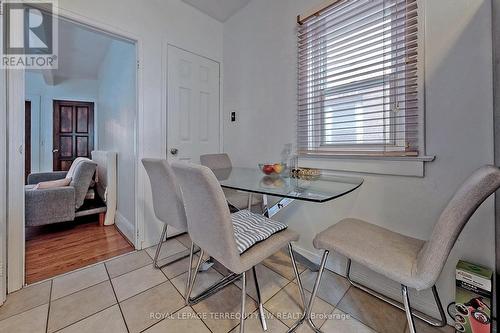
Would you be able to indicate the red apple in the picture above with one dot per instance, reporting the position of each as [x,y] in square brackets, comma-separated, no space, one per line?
[268,169]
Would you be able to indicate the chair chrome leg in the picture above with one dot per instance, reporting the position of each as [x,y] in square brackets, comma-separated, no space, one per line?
[297,276]
[409,316]
[158,248]
[191,284]
[259,299]
[441,322]
[227,280]
[297,324]
[190,270]
[171,259]
[316,284]
[243,300]
[306,316]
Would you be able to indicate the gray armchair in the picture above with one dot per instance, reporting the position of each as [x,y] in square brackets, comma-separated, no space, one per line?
[48,206]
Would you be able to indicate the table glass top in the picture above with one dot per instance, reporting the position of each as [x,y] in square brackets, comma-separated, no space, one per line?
[323,189]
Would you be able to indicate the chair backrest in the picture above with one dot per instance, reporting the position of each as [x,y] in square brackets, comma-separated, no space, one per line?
[208,217]
[167,198]
[216,161]
[81,172]
[473,192]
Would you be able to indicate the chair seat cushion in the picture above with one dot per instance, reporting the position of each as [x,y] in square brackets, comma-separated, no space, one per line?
[250,228]
[383,251]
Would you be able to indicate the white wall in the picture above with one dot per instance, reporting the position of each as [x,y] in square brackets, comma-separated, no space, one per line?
[116,124]
[260,84]
[153,23]
[42,97]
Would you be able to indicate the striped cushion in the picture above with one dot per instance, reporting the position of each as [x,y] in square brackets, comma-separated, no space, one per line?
[250,228]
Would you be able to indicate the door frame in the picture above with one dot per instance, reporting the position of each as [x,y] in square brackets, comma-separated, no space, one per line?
[55,104]
[496,116]
[15,86]
[3,178]
[35,130]
[28,130]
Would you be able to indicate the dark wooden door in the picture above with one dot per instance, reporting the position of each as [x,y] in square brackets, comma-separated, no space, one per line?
[27,139]
[73,132]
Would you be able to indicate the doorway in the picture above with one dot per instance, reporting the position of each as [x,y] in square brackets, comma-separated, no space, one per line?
[89,103]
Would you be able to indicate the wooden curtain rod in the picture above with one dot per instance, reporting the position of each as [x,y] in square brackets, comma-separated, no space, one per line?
[315,11]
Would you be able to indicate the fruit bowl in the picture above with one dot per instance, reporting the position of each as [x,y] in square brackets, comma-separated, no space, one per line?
[272,168]
[272,181]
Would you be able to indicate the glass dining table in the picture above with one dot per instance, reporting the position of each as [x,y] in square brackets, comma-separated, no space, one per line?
[317,190]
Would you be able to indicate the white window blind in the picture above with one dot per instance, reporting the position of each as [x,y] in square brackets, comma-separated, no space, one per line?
[357,79]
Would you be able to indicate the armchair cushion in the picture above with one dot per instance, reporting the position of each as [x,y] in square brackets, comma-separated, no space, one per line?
[35,178]
[82,170]
[53,184]
[47,206]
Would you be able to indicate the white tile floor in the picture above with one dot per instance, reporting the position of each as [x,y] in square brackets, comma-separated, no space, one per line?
[127,294]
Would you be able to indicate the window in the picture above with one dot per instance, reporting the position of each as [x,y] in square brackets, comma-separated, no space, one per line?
[357,79]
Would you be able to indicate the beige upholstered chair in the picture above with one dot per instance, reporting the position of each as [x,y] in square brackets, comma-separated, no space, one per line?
[213,229]
[167,199]
[412,262]
[237,199]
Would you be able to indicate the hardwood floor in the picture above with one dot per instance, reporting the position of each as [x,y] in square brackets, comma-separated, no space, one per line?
[59,248]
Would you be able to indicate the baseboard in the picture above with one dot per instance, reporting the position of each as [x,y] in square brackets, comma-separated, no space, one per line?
[422,301]
[125,226]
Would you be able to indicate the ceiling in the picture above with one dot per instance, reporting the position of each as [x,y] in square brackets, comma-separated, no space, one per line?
[81,52]
[220,10]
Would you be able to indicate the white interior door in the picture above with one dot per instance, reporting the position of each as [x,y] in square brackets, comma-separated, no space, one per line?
[193,105]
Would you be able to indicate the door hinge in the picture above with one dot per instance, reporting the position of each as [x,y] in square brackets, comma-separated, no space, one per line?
[138,65]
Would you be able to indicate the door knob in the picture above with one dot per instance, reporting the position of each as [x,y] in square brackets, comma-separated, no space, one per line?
[55,150]
[174,151]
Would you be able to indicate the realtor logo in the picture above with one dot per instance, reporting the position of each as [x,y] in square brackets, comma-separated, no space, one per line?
[29,34]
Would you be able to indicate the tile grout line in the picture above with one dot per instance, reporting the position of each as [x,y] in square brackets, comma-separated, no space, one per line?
[114,277]
[98,263]
[212,295]
[165,244]
[48,310]
[281,288]
[277,318]
[86,317]
[77,291]
[116,297]
[352,315]
[305,290]
[51,281]
[203,322]
[185,305]
[27,309]
[81,268]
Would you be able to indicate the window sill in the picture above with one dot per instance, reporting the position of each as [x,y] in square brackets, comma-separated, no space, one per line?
[381,165]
